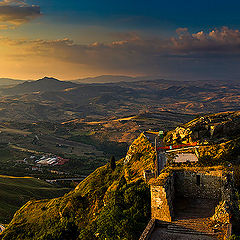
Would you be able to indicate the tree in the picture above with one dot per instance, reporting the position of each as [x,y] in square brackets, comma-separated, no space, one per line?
[112,163]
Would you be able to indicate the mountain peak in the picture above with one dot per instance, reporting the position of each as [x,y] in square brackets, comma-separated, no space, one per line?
[45,84]
[49,79]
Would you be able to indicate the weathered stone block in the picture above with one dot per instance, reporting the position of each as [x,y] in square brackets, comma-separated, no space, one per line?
[161,200]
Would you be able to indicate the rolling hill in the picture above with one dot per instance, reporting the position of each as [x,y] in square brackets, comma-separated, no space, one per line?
[16,191]
[109,203]
[54,100]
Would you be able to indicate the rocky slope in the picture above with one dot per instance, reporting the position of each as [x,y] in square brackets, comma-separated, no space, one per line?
[219,135]
[109,204]
[115,203]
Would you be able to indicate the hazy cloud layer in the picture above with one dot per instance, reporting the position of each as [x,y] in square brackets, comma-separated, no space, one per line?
[14,13]
[218,41]
[214,54]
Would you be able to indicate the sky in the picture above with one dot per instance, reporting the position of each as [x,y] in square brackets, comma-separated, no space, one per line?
[72,39]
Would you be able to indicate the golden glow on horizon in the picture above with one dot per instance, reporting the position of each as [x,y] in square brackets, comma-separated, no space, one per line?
[66,59]
[33,59]
[36,68]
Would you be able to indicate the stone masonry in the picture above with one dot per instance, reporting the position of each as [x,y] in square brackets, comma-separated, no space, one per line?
[162,199]
[205,183]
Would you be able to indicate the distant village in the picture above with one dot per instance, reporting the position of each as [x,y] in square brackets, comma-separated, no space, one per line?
[37,161]
[50,160]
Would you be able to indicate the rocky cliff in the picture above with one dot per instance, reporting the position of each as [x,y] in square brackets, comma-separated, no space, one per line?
[106,205]
[115,204]
[217,134]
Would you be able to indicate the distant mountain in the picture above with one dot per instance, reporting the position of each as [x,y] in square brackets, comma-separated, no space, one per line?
[51,99]
[113,79]
[9,81]
[45,84]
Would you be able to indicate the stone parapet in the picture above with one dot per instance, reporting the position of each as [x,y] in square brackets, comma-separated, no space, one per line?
[162,197]
[148,230]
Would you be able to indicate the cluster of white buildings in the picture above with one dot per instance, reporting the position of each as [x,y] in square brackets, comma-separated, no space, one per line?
[51,160]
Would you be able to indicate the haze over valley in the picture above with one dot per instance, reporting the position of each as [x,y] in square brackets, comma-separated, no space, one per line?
[49,99]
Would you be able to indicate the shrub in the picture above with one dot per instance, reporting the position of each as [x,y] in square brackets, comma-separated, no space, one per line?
[112,163]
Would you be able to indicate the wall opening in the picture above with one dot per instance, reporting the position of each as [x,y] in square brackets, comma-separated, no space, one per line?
[198,180]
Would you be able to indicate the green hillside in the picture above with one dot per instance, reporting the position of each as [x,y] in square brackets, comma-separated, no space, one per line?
[115,204]
[16,191]
[109,204]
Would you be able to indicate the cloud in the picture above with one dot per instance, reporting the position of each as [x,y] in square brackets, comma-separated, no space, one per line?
[216,53]
[217,41]
[14,13]
[3,27]
[13,2]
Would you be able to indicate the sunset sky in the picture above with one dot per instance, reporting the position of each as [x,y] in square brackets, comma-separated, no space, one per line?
[77,38]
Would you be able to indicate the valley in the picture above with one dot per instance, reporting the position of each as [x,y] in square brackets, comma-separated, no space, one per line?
[65,101]
[87,145]
[116,201]
[63,134]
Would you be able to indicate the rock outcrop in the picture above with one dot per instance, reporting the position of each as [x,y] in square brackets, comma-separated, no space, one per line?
[217,134]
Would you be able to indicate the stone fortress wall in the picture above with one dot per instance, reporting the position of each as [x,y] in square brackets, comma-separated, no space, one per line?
[162,197]
[196,183]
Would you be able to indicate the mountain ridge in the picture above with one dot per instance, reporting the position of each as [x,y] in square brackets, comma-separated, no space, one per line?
[10,81]
[64,101]
[45,84]
[113,79]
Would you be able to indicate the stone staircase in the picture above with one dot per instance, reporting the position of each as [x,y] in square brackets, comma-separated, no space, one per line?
[192,221]
[193,217]
[196,226]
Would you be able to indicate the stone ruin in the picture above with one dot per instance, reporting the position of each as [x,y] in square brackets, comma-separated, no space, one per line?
[205,184]
[196,201]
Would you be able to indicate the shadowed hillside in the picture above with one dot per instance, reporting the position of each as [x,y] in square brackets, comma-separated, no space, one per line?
[108,204]
[114,203]
[16,191]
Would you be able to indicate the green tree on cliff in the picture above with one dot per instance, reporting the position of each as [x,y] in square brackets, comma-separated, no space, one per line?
[112,163]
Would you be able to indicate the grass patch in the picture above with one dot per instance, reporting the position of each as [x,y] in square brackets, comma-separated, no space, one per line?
[16,191]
